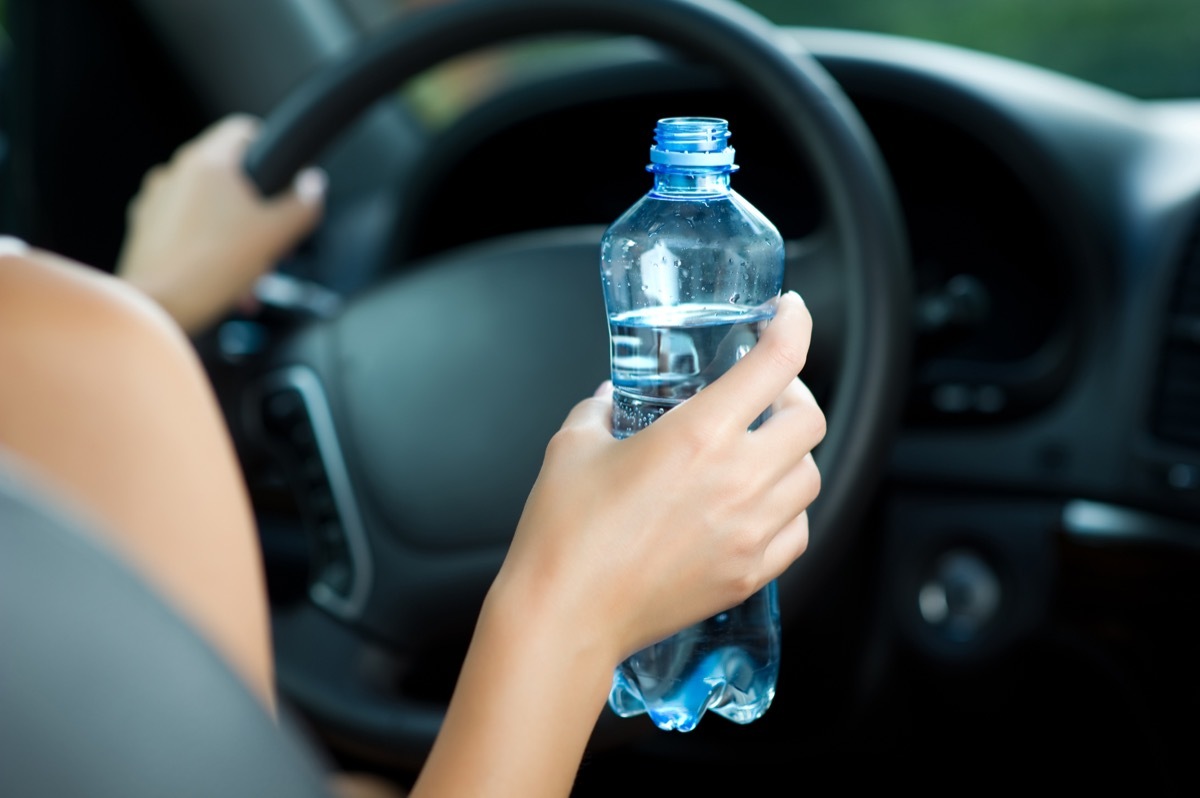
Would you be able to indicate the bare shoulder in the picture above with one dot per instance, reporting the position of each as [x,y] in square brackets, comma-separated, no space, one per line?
[46,299]
[97,381]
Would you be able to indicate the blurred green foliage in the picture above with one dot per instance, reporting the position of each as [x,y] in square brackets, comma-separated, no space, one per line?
[1149,48]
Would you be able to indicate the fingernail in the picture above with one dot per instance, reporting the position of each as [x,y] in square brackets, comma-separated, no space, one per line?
[794,298]
[11,245]
[310,185]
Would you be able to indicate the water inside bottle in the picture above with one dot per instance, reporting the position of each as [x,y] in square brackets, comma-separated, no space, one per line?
[727,664]
[663,355]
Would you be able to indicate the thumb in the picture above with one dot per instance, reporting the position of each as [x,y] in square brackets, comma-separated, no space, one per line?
[757,379]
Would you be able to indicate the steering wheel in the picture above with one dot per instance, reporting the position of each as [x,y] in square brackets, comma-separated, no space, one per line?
[413,421]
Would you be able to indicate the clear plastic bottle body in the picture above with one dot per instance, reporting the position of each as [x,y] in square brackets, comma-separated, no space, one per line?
[690,273]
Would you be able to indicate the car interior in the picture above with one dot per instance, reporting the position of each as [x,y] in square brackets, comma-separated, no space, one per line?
[1002,258]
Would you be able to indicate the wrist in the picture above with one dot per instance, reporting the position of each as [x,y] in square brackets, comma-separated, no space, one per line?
[559,638]
[187,305]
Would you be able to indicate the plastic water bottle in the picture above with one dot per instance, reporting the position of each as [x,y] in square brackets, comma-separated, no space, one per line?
[691,272]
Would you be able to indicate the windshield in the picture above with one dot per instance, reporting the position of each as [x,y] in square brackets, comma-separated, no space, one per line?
[1148,48]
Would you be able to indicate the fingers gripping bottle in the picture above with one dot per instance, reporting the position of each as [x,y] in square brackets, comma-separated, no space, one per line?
[691,272]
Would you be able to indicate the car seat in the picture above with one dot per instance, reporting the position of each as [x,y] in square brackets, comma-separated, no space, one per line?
[105,691]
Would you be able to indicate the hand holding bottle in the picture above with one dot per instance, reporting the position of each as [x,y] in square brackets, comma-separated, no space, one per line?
[640,537]
[621,543]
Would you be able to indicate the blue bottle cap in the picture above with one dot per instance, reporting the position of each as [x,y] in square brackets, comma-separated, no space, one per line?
[691,141]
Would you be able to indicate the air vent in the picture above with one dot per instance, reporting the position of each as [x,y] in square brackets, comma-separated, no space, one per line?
[1176,411]
[292,418]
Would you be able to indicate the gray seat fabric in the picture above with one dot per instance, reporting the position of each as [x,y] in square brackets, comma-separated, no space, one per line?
[105,692]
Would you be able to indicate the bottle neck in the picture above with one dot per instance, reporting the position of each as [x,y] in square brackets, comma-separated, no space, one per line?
[691,182]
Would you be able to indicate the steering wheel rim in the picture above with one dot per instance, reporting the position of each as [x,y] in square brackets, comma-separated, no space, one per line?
[808,105]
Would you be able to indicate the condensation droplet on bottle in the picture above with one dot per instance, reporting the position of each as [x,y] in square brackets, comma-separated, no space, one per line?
[733,300]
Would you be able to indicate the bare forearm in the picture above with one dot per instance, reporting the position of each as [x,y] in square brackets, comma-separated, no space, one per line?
[524,707]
